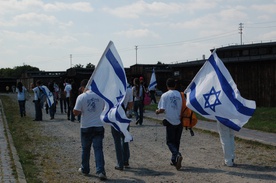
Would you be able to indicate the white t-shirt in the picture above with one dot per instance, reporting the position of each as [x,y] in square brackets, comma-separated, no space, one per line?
[37,92]
[91,107]
[171,102]
[21,95]
[67,89]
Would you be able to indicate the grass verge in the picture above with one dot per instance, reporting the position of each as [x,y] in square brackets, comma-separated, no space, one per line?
[23,132]
[264,118]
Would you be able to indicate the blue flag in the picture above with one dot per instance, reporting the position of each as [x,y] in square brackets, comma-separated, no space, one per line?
[109,82]
[214,95]
[153,82]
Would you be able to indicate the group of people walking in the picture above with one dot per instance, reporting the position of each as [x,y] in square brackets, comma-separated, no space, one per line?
[87,107]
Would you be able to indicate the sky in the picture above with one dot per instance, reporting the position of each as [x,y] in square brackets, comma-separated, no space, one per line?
[57,35]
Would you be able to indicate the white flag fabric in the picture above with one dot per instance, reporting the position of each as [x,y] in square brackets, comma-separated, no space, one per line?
[49,95]
[109,82]
[153,82]
[214,95]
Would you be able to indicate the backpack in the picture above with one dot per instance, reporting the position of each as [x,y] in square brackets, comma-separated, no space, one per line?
[147,99]
[188,117]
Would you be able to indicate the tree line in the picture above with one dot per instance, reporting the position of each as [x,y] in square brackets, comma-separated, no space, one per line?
[17,71]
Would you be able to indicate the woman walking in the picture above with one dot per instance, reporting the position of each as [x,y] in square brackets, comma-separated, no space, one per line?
[21,97]
[138,90]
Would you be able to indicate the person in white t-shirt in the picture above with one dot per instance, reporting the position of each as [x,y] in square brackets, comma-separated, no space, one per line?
[170,103]
[21,97]
[90,106]
[67,89]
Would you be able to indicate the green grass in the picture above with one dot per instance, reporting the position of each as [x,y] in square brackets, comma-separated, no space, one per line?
[264,118]
[23,132]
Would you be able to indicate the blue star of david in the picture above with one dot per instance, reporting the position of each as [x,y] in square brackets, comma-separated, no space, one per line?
[120,97]
[213,93]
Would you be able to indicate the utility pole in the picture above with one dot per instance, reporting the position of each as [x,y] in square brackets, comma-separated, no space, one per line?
[70,60]
[240,29]
[136,48]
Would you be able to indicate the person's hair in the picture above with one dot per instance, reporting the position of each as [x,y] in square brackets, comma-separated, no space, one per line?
[170,83]
[136,83]
[38,82]
[20,86]
[84,82]
[74,86]
[51,87]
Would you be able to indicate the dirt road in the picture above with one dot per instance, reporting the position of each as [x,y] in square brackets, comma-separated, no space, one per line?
[59,157]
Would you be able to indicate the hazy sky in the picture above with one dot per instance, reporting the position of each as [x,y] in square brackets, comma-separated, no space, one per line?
[45,33]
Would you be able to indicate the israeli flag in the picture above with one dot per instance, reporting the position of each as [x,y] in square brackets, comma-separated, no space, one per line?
[214,95]
[109,82]
[49,95]
[153,82]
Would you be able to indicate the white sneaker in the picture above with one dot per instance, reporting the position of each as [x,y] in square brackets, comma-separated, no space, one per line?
[102,176]
[80,171]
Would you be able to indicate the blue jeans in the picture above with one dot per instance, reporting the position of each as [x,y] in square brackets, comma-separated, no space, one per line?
[68,108]
[89,136]
[121,147]
[138,105]
[52,110]
[173,136]
[62,103]
[22,107]
[38,110]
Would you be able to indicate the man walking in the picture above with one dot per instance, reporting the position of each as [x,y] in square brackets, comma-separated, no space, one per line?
[122,147]
[90,106]
[170,103]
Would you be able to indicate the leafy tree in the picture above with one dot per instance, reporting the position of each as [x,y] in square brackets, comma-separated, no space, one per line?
[17,71]
[89,65]
[78,66]
[6,72]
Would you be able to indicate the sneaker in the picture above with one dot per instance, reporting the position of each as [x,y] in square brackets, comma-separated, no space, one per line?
[172,164]
[119,168]
[80,171]
[178,162]
[230,165]
[126,165]
[102,176]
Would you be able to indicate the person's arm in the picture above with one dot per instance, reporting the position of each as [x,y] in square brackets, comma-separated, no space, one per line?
[129,105]
[76,112]
[158,111]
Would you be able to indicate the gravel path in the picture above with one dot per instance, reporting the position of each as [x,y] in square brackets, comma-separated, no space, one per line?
[59,157]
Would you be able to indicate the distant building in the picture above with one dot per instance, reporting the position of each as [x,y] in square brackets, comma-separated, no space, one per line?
[31,77]
[252,66]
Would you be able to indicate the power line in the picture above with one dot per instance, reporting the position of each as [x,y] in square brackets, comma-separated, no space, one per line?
[230,33]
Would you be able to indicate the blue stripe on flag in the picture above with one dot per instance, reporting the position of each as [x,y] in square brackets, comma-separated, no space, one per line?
[228,90]
[116,66]
[194,101]
[152,84]
[48,99]
[228,123]
[95,89]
